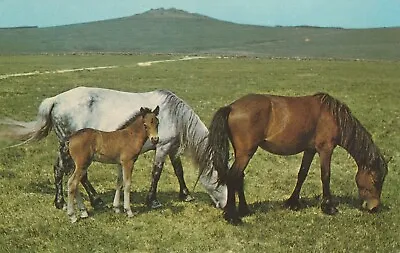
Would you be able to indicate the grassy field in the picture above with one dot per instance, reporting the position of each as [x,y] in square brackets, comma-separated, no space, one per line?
[30,223]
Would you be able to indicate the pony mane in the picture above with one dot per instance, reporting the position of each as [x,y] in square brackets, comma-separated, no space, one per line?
[192,131]
[353,136]
[134,117]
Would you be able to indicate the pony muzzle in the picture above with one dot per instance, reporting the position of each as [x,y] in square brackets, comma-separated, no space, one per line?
[371,205]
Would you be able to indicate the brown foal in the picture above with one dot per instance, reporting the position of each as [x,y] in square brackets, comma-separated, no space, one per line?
[122,147]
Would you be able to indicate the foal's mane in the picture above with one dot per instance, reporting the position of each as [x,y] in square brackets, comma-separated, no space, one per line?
[134,117]
[353,136]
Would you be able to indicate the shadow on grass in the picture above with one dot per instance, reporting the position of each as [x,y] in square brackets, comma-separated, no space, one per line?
[9,174]
[306,202]
[170,201]
[45,187]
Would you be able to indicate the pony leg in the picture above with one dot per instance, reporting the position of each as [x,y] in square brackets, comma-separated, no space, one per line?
[327,204]
[183,190]
[127,173]
[235,180]
[243,207]
[158,165]
[80,204]
[64,165]
[95,201]
[230,213]
[293,202]
[72,187]
[59,201]
[118,188]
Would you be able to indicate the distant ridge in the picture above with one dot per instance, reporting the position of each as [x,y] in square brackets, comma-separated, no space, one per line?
[171,12]
[178,31]
[19,27]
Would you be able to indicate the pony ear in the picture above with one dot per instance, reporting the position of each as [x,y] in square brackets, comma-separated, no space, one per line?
[156,110]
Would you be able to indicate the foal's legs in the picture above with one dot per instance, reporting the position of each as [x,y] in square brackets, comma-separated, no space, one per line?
[183,190]
[127,167]
[118,189]
[80,204]
[293,201]
[65,165]
[73,182]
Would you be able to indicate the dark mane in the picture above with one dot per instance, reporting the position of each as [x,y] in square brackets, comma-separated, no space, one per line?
[134,117]
[353,136]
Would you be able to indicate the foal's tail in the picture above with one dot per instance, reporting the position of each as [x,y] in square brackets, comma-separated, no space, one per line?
[218,143]
[32,130]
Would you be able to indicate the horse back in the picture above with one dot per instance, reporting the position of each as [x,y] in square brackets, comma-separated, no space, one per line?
[281,125]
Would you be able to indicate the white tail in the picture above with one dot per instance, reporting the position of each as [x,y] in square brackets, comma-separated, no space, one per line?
[32,130]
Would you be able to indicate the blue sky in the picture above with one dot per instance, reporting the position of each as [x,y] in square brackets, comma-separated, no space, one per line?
[339,13]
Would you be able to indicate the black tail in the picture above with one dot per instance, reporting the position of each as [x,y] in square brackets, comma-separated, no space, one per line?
[218,143]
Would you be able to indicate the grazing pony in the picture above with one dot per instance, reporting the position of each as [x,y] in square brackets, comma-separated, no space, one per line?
[121,146]
[104,109]
[287,126]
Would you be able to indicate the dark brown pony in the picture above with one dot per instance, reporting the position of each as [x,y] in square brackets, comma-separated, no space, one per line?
[121,146]
[287,126]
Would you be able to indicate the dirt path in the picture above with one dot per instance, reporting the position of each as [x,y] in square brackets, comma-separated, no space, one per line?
[186,58]
[54,71]
[142,64]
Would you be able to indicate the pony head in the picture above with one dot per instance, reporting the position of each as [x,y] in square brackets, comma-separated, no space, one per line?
[369,182]
[150,122]
[217,192]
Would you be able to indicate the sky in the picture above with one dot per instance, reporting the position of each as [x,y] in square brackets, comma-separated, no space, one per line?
[324,13]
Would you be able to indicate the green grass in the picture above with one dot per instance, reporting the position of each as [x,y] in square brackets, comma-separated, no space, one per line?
[30,223]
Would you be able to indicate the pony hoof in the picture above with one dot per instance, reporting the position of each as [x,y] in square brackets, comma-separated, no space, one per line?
[155,204]
[234,220]
[117,210]
[186,198]
[84,214]
[60,204]
[330,210]
[130,214]
[374,210]
[73,218]
[293,205]
[97,203]
[244,212]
